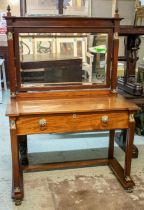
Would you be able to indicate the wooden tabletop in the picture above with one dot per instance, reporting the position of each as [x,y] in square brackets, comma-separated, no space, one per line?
[99,103]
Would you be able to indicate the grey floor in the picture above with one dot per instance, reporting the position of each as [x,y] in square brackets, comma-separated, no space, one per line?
[56,147]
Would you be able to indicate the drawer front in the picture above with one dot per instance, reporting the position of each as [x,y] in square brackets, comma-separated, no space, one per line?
[78,122]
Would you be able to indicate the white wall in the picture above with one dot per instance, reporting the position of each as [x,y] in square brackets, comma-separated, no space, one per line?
[127,11]
[103,8]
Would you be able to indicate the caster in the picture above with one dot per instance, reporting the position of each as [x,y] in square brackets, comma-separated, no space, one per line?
[18,202]
[129,190]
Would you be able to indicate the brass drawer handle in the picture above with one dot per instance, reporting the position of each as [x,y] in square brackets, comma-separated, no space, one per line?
[105,120]
[74,116]
[42,123]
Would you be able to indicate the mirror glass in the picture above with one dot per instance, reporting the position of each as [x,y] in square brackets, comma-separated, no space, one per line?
[51,59]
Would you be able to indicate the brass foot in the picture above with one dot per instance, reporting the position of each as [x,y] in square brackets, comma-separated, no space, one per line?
[18,202]
[129,190]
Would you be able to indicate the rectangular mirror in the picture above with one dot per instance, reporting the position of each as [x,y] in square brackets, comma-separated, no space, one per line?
[57,59]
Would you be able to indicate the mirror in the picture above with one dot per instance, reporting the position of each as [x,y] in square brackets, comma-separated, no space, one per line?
[57,59]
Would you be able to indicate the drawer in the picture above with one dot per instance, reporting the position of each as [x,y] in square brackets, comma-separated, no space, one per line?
[75,122]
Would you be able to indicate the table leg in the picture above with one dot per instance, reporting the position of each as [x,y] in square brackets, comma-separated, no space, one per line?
[123,174]
[128,154]
[111,144]
[23,149]
[129,147]
[121,141]
[17,177]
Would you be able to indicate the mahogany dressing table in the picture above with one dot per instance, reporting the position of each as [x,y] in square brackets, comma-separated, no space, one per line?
[65,106]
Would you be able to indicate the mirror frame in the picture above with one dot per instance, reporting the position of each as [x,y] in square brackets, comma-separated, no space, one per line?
[66,24]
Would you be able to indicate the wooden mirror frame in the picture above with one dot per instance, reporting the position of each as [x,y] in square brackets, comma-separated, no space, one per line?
[16,25]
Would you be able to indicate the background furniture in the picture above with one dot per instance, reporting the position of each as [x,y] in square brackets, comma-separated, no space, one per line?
[4,55]
[129,87]
[2,77]
[2,73]
[133,87]
[139,13]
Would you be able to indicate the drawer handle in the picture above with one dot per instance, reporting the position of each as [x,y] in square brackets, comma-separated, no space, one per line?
[105,120]
[42,123]
[74,116]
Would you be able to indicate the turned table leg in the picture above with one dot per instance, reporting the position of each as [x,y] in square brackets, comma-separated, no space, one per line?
[17,178]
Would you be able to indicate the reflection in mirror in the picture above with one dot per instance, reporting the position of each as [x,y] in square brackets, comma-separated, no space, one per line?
[63,59]
[77,7]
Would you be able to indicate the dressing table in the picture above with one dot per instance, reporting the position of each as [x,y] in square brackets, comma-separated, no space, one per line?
[65,106]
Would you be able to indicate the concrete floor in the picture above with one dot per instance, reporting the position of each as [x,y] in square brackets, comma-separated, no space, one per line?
[60,148]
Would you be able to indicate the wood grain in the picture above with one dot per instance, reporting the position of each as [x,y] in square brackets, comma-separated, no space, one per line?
[74,122]
[70,105]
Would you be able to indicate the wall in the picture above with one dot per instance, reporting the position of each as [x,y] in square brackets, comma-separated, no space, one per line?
[100,8]
[103,8]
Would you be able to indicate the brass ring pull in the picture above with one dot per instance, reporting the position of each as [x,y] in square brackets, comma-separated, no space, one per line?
[42,123]
[105,120]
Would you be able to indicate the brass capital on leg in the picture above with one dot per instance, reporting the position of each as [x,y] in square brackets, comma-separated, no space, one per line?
[131,118]
[12,124]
